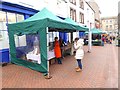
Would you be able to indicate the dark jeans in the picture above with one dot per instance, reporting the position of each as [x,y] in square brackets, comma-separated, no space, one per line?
[79,63]
[59,60]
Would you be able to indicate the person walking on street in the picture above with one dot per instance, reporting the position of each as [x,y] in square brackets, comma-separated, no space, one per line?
[113,38]
[103,40]
[57,50]
[78,45]
[110,39]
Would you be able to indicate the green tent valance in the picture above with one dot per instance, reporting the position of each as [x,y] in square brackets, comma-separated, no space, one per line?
[43,19]
[95,31]
[78,27]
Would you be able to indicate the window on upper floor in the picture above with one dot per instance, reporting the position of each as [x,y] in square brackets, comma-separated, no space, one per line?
[110,26]
[81,18]
[106,21]
[73,14]
[106,26]
[81,3]
[110,21]
[73,2]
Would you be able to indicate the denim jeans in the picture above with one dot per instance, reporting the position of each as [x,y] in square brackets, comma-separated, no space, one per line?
[59,61]
[79,63]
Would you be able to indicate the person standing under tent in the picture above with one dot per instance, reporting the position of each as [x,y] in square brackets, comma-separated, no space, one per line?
[57,50]
[78,45]
[62,44]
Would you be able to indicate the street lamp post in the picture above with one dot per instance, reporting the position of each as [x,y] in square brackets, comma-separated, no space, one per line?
[89,34]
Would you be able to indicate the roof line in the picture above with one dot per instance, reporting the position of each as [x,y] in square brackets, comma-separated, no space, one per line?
[90,6]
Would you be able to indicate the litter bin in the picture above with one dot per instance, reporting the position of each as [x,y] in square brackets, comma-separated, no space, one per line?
[4,56]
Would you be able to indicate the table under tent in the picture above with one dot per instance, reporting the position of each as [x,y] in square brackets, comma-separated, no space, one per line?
[96,36]
[32,51]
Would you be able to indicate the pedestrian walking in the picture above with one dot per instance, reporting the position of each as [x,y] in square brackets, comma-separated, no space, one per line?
[78,45]
[103,40]
[110,39]
[57,50]
[113,38]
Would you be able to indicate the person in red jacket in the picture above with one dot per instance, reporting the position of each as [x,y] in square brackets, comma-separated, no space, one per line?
[57,50]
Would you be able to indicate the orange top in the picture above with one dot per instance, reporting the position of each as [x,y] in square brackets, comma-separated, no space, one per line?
[57,49]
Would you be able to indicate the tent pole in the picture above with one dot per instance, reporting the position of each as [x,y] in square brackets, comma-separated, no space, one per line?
[71,43]
[48,74]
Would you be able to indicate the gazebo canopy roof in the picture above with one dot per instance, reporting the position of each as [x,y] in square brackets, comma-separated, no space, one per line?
[95,31]
[81,28]
[44,19]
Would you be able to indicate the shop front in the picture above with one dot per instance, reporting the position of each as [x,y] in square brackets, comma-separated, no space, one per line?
[10,13]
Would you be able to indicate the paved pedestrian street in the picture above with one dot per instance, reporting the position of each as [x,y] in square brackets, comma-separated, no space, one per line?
[100,70]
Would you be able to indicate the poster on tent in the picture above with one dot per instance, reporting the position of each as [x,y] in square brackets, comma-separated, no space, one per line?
[28,47]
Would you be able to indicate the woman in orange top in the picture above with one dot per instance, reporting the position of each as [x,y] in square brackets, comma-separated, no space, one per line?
[57,50]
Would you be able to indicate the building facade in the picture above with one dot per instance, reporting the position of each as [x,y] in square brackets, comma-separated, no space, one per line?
[89,16]
[110,24]
[78,10]
[97,17]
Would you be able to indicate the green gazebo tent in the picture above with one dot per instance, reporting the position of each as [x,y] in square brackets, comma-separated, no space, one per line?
[95,31]
[78,27]
[39,23]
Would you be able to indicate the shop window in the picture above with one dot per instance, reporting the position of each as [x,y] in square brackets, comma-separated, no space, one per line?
[110,26]
[4,39]
[3,26]
[28,47]
[81,18]
[20,17]
[51,36]
[11,17]
[73,14]
[3,31]
[81,3]
[73,2]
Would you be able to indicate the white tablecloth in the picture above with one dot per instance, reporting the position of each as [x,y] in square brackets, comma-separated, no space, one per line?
[37,58]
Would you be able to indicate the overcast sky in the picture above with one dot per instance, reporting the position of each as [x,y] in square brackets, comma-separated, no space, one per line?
[108,7]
